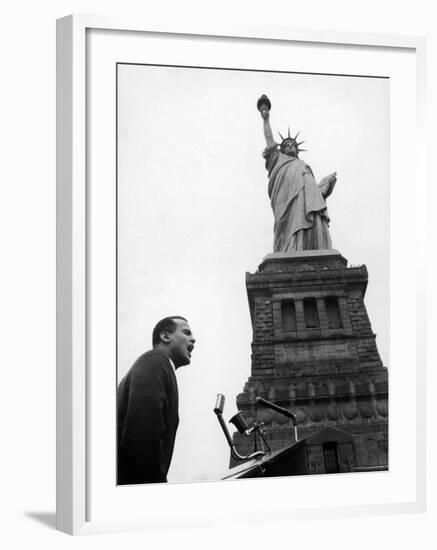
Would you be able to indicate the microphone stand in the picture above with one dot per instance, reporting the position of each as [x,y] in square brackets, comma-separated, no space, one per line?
[280,410]
[218,409]
[234,453]
[255,429]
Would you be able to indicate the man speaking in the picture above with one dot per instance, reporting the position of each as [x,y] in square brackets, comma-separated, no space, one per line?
[147,405]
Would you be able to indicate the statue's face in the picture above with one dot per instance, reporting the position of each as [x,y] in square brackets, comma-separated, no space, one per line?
[289,148]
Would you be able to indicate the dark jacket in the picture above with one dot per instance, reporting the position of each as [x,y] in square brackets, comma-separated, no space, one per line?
[147,420]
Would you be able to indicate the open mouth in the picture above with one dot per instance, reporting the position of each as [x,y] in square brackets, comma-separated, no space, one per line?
[190,349]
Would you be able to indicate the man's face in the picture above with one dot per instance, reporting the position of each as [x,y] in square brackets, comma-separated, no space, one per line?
[180,343]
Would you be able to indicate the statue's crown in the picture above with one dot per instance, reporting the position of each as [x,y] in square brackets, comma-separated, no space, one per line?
[291,140]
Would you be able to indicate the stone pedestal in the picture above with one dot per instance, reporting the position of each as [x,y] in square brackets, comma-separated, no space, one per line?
[314,353]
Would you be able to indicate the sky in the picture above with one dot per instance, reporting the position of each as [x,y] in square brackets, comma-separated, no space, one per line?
[194,216]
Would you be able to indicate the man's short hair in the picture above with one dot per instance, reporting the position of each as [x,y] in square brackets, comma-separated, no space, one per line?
[168,325]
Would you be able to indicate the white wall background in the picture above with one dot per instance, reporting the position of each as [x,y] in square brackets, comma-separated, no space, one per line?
[28,268]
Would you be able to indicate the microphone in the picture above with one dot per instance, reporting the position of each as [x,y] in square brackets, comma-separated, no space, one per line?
[219,404]
[277,408]
[238,421]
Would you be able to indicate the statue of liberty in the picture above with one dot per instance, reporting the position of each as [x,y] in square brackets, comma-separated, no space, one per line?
[298,202]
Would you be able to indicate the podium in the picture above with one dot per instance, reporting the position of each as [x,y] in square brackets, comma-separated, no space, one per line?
[327,451]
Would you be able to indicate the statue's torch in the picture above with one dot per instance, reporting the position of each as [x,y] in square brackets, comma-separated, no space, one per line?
[263,104]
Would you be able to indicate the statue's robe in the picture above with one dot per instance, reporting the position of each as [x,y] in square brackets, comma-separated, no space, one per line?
[298,203]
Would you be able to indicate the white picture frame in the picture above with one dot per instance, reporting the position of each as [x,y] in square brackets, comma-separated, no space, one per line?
[73,338]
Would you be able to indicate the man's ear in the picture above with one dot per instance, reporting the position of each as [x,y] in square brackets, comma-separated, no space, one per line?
[164,337]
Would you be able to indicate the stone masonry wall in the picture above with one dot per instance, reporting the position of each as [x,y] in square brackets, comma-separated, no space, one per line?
[263,353]
[328,376]
[366,344]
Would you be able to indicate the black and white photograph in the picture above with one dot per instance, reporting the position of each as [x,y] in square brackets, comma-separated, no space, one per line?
[252,274]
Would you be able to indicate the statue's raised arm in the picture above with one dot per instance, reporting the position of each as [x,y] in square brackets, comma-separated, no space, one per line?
[298,203]
[264,107]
